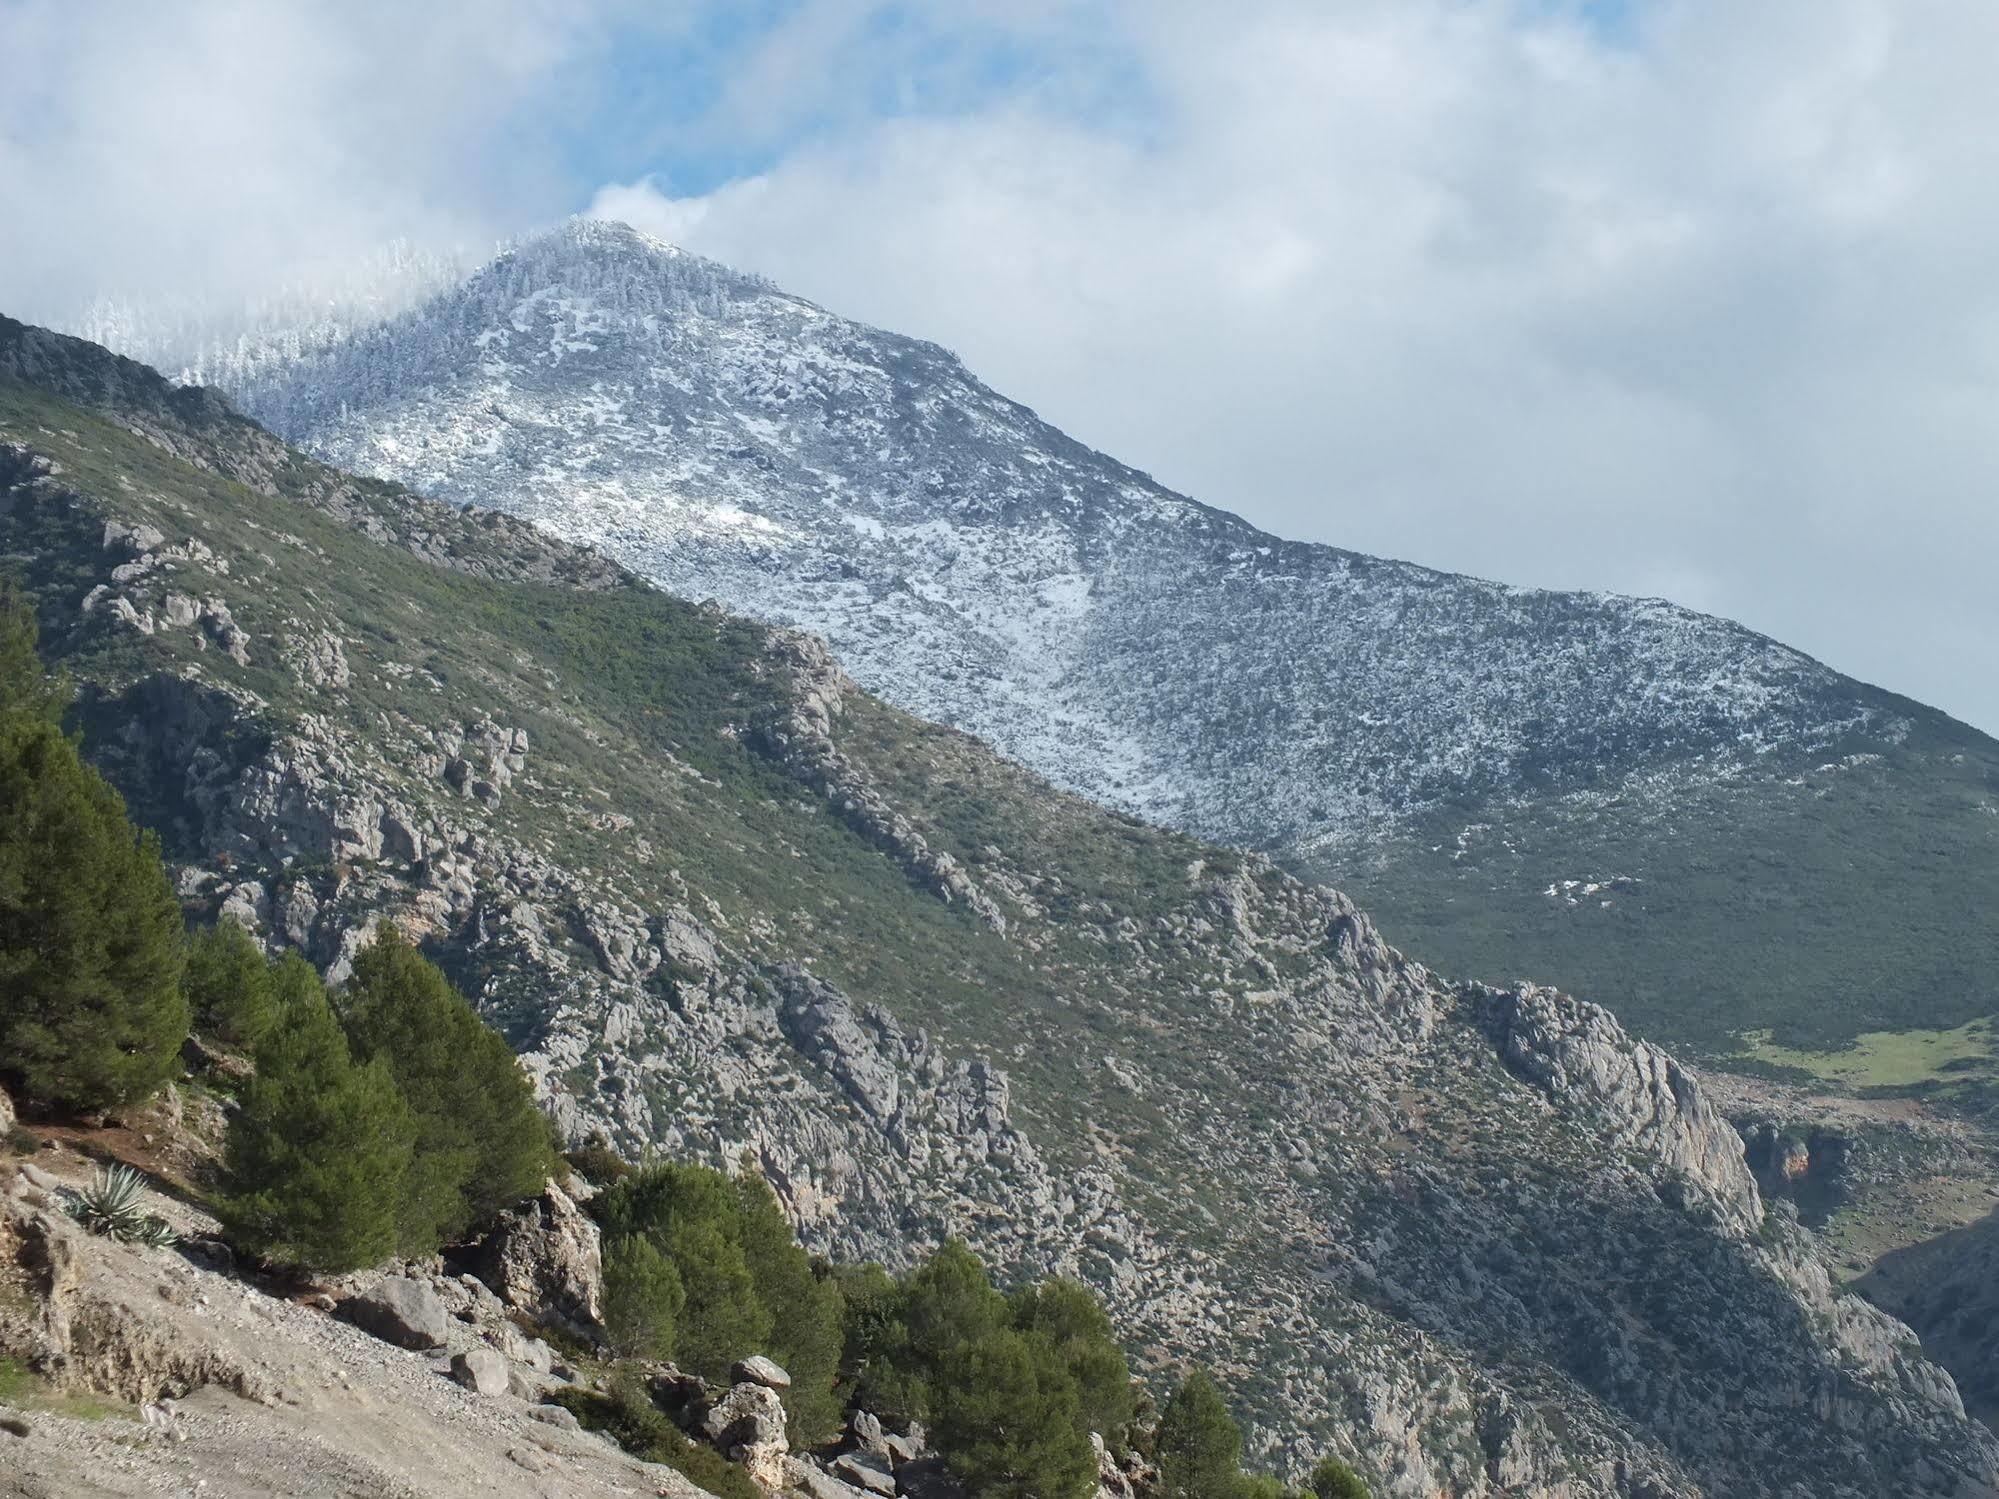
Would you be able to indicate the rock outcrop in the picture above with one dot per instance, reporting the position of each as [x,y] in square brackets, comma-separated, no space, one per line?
[545,1260]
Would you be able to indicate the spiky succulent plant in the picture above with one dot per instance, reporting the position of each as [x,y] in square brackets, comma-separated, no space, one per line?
[110,1205]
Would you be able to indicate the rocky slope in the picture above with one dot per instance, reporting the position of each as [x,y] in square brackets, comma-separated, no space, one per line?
[1507,776]
[1478,1239]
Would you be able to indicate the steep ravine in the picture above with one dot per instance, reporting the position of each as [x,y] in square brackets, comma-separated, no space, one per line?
[1479,1239]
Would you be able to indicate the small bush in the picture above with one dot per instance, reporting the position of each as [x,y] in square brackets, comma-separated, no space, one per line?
[626,1414]
[1333,1479]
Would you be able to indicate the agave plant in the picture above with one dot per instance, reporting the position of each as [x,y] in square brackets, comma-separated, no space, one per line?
[110,1206]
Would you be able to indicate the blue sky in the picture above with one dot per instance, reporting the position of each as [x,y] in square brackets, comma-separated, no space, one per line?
[1677,297]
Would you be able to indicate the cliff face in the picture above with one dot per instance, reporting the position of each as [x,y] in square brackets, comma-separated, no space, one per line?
[724,901]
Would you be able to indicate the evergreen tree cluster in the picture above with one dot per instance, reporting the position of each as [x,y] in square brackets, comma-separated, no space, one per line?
[387,1119]
[702,1268]
[1011,1386]
[91,1009]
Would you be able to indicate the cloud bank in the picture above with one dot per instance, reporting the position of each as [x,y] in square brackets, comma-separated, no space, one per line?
[1694,300]
[1683,297]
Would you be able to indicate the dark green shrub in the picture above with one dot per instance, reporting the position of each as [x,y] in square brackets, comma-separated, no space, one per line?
[1007,1420]
[643,1297]
[91,1011]
[597,1162]
[228,985]
[626,1414]
[1333,1479]
[482,1145]
[318,1156]
[877,1365]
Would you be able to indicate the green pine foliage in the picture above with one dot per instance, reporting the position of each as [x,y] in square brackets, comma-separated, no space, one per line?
[318,1157]
[482,1145]
[1067,1313]
[878,1368]
[25,687]
[748,1287]
[693,1216]
[91,1011]
[1333,1479]
[1007,1419]
[643,1298]
[804,1306]
[1013,1386]
[1198,1446]
[228,985]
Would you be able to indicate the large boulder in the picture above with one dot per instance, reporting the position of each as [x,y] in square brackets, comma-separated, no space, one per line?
[747,1426]
[756,1369]
[864,1470]
[6,1113]
[482,1370]
[398,1310]
[545,1258]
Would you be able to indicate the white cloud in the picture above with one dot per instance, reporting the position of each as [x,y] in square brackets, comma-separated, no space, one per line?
[218,147]
[1699,302]
[1703,309]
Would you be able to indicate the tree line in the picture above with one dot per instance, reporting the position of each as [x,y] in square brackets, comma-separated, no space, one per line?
[385,1119]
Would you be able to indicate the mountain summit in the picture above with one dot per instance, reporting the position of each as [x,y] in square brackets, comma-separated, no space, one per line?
[1506,775]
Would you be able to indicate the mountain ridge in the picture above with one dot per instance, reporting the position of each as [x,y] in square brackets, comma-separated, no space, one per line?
[1357,718]
[723,900]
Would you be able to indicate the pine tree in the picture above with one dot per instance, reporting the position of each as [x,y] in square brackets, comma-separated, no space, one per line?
[724,1319]
[948,1303]
[1007,1419]
[25,687]
[804,1309]
[693,1216]
[318,1155]
[228,985]
[1067,1313]
[1333,1479]
[482,1144]
[91,1011]
[643,1298]
[1199,1445]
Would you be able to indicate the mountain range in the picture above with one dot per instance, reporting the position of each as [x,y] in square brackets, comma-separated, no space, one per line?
[1712,832]
[728,904]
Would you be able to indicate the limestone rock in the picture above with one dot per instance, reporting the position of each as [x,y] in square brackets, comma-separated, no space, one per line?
[747,1426]
[756,1369]
[398,1310]
[866,1471]
[480,1369]
[545,1258]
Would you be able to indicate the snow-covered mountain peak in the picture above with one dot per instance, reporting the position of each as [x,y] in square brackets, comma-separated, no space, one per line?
[971,562]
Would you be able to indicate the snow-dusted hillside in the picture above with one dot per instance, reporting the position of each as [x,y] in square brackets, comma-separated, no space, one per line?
[972,563]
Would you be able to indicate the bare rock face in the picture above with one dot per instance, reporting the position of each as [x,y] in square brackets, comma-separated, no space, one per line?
[1583,1060]
[756,1369]
[747,1425]
[546,1259]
